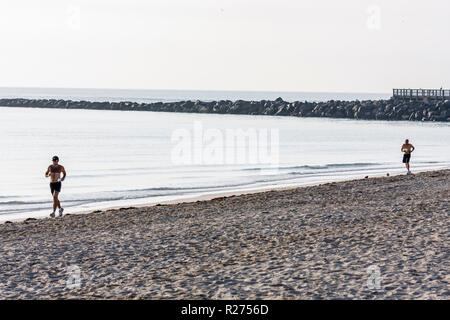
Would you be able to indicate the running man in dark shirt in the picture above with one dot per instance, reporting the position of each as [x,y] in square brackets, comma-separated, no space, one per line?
[54,172]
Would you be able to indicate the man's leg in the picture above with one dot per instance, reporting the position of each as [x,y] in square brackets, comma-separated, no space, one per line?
[407,166]
[55,201]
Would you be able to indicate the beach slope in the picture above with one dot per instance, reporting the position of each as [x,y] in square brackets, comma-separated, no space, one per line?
[373,238]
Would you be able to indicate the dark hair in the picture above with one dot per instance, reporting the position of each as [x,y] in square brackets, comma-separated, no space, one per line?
[55,158]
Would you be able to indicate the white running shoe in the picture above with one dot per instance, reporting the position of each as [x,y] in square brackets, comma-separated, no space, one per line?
[61,211]
[52,214]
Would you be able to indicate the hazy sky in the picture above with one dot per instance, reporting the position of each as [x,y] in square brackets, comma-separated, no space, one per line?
[275,45]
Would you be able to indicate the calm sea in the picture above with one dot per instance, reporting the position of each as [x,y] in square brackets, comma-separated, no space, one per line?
[121,158]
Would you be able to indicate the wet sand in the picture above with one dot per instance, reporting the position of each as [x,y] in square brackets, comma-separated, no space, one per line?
[376,238]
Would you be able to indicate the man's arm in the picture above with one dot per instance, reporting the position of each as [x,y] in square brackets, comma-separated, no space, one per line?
[47,173]
[403,146]
[63,172]
[412,148]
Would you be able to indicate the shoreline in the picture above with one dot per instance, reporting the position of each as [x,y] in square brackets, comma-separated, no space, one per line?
[315,242]
[212,196]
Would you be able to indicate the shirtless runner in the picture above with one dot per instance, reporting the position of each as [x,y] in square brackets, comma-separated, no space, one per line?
[54,172]
[407,148]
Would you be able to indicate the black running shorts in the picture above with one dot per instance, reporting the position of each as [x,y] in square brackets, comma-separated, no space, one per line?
[406,158]
[55,186]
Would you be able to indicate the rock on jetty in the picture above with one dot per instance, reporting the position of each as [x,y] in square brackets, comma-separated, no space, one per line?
[392,109]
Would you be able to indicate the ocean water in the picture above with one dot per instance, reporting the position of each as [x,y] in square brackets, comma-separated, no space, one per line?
[122,158]
[147,96]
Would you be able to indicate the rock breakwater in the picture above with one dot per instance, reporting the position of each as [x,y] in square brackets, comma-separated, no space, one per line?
[391,109]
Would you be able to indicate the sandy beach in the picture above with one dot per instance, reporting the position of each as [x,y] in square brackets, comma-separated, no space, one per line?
[375,238]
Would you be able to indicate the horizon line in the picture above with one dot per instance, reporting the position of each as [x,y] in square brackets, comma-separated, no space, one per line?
[200,90]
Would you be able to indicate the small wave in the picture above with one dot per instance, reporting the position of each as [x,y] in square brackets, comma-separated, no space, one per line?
[356,164]
[430,162]
[325,166]
[17,202]
[20,202]
[348,170]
